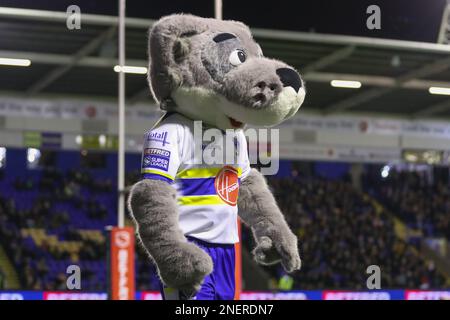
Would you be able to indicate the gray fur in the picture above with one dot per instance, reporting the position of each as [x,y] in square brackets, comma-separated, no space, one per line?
[154,210]
[242,87]
[183,54]
[191,38]
[258,209]
[192,74]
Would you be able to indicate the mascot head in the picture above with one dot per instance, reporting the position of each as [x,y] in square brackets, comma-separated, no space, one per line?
[214,71]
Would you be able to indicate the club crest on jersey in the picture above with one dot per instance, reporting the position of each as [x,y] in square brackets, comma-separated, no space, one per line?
[226,184]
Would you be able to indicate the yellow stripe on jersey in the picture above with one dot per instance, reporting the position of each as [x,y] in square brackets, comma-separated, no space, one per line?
[157,172]
[195,173]
[200,200]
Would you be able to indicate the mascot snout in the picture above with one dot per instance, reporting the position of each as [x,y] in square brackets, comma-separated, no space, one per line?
[262,92]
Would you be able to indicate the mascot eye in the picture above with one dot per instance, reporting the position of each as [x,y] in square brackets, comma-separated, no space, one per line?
[237,57]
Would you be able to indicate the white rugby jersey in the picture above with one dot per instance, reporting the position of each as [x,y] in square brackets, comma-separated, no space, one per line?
[207,192]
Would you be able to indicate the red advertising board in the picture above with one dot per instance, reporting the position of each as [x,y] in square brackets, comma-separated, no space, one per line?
[122,263]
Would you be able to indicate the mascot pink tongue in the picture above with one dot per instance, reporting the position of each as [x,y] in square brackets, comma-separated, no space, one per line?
[185,211]
[235,123]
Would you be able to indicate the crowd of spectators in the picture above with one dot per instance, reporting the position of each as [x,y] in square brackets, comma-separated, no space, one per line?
[341,233]
[74,189]
[340,229]
[420,199]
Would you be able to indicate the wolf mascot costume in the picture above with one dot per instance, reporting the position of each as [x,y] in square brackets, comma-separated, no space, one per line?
[186,210]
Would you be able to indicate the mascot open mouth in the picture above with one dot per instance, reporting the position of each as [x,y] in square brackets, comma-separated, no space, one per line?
[261,92]
[236,124]
[283,107]
[196,102]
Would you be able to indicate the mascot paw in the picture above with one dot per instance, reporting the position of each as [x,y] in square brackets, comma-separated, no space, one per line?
[186,268]
[265,253]
[284,249]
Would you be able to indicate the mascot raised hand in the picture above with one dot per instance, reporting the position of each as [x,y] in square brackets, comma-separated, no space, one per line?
[186,207]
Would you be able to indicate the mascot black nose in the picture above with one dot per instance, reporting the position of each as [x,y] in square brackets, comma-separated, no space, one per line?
[290,78]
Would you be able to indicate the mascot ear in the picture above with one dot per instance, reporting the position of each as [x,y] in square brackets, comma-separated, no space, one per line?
[180,49]
[168,46]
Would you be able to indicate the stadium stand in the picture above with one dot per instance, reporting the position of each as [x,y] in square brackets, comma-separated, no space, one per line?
[342,231]
[55,216]
[421,200]
[51,218]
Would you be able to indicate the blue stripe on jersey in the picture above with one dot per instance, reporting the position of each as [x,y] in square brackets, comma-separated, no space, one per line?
[197,187]
[153,176]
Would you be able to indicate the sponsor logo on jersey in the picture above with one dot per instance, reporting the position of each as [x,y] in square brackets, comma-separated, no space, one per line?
[156,158]
[158,137]
[157,152]
[226,184]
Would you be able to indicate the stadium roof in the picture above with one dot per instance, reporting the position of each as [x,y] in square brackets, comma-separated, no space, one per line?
[395,75]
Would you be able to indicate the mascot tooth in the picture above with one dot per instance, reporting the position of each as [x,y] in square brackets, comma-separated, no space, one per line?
[211,71]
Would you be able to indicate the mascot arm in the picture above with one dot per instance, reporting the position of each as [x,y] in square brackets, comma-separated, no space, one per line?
[258,209]
[181,264]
